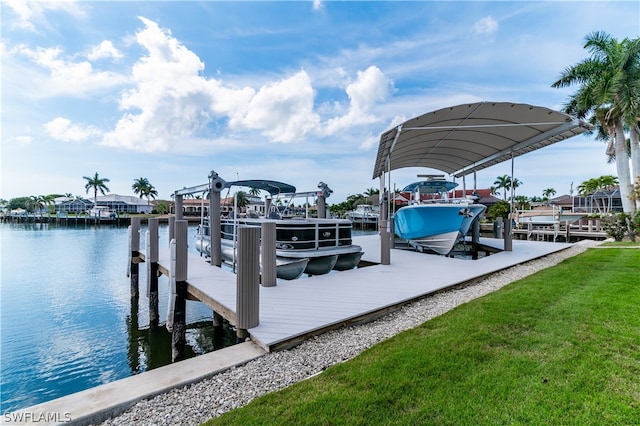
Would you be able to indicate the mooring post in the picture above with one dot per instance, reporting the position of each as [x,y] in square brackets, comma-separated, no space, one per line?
[392,233]
[179,273]
[385,250]
[172,228]
[248,280]
[268,254]
[135,253]
[475,238]
[508,238]
[152,271]
[322,207]
[214,227]
[217,319]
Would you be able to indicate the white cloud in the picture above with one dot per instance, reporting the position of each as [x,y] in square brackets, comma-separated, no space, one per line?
[486,25]
[104,50]
[284,110]
[31,13]
[318,5]
[370,87]
[23,140]
[61,128]
[174,106]
[70,78]
[170,102]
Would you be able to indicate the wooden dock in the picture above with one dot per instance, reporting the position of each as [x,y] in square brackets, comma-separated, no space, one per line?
[558,231]
[292,311]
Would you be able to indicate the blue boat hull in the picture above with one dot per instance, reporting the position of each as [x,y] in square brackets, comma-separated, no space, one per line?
[436,226]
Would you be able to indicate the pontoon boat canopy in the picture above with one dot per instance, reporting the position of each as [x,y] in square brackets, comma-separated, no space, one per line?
[462,139]
[271,186]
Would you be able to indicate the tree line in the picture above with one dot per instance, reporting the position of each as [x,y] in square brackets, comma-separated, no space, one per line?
[141,186]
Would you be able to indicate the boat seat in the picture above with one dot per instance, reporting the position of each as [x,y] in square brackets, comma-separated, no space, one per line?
[274,215]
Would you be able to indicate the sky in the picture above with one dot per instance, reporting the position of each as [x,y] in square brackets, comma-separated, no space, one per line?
[293,91]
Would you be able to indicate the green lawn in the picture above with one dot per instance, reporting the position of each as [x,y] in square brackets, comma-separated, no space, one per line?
[561,347]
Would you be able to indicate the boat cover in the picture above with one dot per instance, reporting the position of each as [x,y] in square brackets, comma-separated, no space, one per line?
[271,186]
[462,139]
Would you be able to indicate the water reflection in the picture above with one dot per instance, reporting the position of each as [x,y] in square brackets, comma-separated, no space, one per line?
[149,347]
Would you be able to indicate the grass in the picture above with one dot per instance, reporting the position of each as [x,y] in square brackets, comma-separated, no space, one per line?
[559,347]
[621,243]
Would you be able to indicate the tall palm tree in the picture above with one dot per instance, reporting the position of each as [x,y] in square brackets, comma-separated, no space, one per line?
[609,91]
[142,187]
[97,184]
[549,192]
[502,182]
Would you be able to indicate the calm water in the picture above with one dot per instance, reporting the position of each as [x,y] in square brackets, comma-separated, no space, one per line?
[66,319]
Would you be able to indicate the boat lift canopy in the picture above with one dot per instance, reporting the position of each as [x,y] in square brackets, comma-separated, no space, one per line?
[462,139]
[271,186]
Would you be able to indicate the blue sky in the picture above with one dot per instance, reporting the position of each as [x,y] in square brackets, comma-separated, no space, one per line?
[296,91]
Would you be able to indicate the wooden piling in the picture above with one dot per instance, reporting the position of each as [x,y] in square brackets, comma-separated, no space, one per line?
[176,320]
[322,207]
[134,238]
[508,238]
[152,271]
[217,319]
[214,226]
[268,254]
[247,280]
[172,228]
[475,239]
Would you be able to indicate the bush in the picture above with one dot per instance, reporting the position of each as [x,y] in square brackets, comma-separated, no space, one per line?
[499,209]
[617,225]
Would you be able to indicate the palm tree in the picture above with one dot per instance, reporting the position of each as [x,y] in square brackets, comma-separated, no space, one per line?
[522,201]
[242,199]
[549,192]
[144,188]
[502,182]
[98,184]
[35,203]
[609,92]
[255,192]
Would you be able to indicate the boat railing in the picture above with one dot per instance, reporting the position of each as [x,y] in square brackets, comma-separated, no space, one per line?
[465,200]
[295,236]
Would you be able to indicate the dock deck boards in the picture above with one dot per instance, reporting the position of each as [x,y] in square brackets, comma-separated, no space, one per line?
[294,310]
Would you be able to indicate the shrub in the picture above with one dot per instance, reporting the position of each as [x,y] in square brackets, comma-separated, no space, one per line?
[617,225]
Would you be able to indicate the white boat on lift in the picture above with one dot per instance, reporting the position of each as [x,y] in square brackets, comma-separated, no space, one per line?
[101,213]
[364,214]
[436,223]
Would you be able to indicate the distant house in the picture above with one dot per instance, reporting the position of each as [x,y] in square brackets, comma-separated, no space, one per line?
[124,203]
[485,196]
[71,205]
[599,202]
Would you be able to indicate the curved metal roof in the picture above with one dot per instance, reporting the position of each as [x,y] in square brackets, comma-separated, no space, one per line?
[461,139]
[271,186]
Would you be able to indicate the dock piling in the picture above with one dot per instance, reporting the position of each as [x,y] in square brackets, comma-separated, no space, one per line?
[176,314]
[268,253]
[248,279]
[152,271]
[134,238]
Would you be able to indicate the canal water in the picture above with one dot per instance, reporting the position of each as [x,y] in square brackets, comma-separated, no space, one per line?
[66,320]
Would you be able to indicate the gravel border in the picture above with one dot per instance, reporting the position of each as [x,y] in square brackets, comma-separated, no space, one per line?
[236,387]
